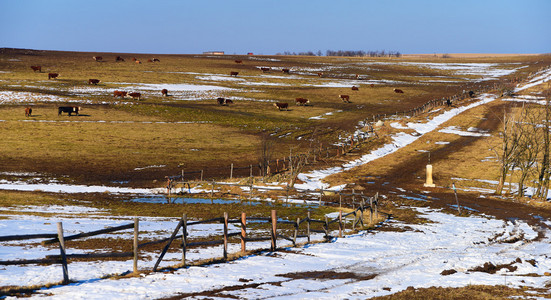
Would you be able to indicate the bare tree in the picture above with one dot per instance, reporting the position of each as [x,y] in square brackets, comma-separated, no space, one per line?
[265,154]
[506,155]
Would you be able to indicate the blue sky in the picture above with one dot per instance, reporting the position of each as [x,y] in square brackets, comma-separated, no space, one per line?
[270,26]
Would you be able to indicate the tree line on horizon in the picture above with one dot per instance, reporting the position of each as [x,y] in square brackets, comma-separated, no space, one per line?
[350,53]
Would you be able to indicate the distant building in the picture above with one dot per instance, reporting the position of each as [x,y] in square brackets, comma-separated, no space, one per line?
[214,52]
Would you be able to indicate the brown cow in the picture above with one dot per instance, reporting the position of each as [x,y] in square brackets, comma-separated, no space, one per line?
[228,101]
[149,60]
[119,94]
[156,59]
[233,73]
[320,74]
[93,81]
[345,98]
[28,111]
[282,105]
[399,91]
[119,58]
[137,61]
[164,92]
[97,58]
[134,59]
[301,101]
[238,61]
[372,85]
[36,68]
[221,101]
[52,75]
[135,95]
[265,69]
[355,88]
[286,71]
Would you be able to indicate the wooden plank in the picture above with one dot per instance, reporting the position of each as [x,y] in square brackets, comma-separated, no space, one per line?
[172,237]
[135,245]
[258,239]
[8,238]
[206,243]
[31,261]
[91,233]
[184,238]
[225,252]
[62,253]
[290,239]
[93,255]
[243,232]
[274,232]
[206,221]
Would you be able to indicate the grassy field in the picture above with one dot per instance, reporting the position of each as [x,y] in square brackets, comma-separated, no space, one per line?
[114,139]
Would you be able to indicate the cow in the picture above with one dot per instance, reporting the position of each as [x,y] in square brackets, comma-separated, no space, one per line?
[301,101]
[149,60]
[228,101]
[137,61]
[97,58]
[68,109]
[238,61]
[233,73]
[281,105]
[345,98]
[36,68]
[372,85]
[398,91]
[355,88]
[471,94]
[119,94]
[448,102]
[93,81]
[52,75]
[134,59]
[265,69]
[119,58]
[28,111]
[156,59]
[286,71]
[135,95]
[164,92]
[320,74]
[221,101]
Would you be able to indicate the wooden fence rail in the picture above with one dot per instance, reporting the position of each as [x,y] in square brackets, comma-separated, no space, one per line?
[288,230]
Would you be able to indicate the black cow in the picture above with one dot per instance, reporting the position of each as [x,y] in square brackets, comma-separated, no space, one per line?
[68,109]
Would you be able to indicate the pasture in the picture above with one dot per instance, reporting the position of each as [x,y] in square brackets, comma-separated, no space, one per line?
[124,142]
[118,139]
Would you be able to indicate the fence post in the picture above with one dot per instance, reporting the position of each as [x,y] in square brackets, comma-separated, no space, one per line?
[308,228]
[231,171]
[184,238]
[135,246]
[370,210]
[326,228]
[321,195]
[376,206]
[340,200]
[340,224]
[243,231]
[274,228]
[296,232]
[225,235]
[201,175]
[212,193]
[62,252]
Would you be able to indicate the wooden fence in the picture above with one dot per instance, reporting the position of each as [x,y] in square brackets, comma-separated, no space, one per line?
[299,228]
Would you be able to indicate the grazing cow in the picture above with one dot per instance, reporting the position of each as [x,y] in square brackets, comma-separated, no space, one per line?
[399,91]
[149,60]
[281,105]
[52,75]
[119,58]
[68,109]
[238,61]
[221,101]
[36,68]
[97,58]
[286,71]
[355,88]
[135,95]
[320,74]
[448,102]
[471,94]
[233,73]
[119,94]
[93,81]
[345,98]
[156,59]
[265,69]
[164,92]
[137,61]
[228,101]
[28,111]
[372,85]
[301,101]
[134,59]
